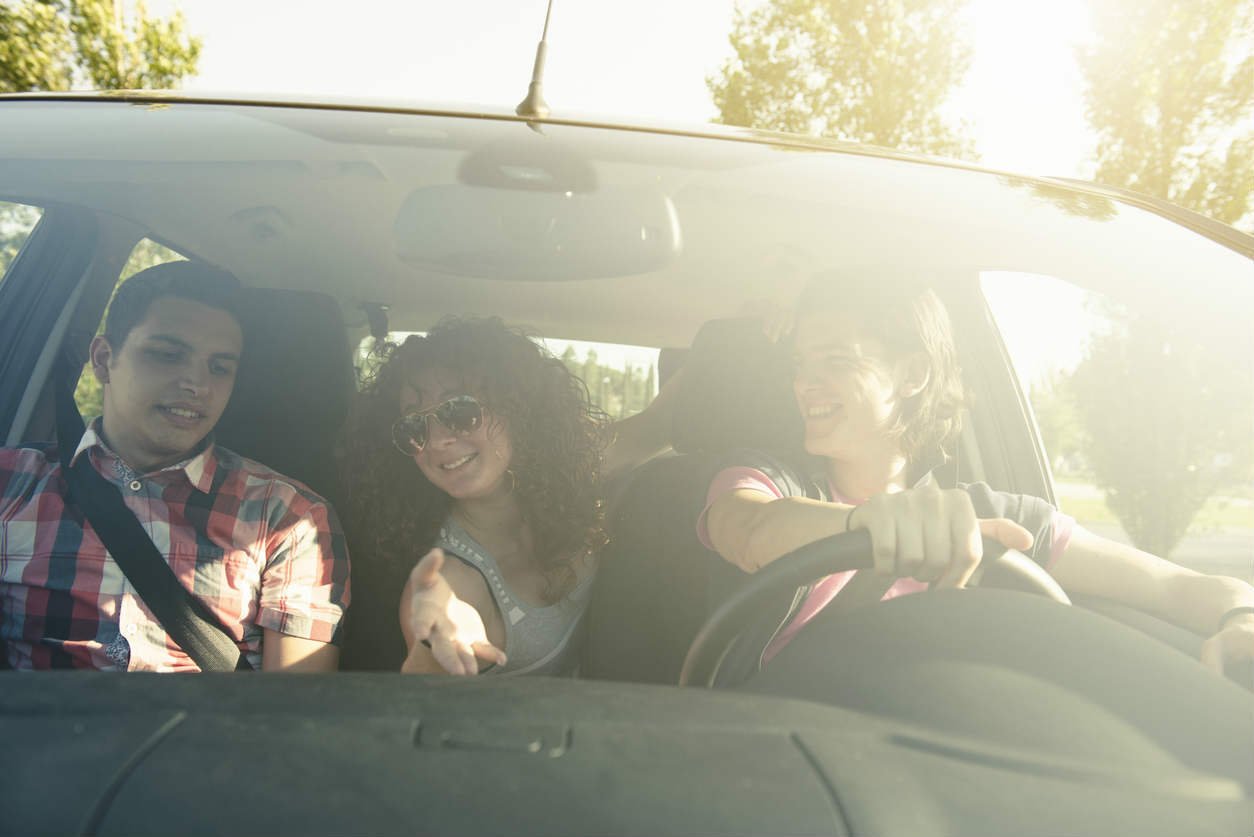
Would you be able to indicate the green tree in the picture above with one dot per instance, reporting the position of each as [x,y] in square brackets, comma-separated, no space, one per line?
[1167,413]
[853,70]
[1170,92]
[1058,420]
[88,395]
[60,44]
[16,222]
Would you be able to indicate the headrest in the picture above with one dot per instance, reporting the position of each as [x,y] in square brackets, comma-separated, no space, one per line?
[736,392]
[295,382]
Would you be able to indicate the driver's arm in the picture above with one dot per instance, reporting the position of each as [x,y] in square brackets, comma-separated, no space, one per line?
[925,533]
[1097,566]
[751,529]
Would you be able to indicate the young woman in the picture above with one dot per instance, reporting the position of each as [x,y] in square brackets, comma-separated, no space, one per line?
[474,466]
[878,386]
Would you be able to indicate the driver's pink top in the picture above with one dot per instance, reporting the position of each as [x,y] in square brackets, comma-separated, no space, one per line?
[751,479]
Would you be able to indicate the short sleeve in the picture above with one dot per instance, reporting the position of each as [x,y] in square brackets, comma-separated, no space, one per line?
[305,584]
[1050,528]
[735,478]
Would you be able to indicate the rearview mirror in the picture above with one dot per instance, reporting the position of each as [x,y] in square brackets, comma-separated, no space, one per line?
[508,233]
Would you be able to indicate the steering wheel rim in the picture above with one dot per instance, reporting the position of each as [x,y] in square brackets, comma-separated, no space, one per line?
[834,554]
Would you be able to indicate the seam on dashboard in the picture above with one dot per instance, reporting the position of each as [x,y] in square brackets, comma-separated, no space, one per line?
[839,810]
[101,806]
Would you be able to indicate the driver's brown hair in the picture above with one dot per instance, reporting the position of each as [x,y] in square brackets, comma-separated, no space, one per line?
[906,316]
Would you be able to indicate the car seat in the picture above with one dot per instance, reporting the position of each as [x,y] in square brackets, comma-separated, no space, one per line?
[656,582]
[294,387]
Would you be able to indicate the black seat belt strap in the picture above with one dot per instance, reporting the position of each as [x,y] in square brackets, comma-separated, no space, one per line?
[188,620]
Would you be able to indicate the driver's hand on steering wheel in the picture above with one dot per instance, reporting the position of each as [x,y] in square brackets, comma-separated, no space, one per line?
[1233,643]
[931,534]
[430,611]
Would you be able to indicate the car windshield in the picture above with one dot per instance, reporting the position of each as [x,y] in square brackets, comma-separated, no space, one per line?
[1103,339]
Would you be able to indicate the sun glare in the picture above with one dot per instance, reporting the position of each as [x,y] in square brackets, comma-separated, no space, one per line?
[1023,94]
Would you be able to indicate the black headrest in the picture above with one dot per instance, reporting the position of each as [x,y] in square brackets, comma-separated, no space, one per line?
[294,386]
[736,392]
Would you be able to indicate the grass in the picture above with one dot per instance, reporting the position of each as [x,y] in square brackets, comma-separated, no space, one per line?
[1084,502]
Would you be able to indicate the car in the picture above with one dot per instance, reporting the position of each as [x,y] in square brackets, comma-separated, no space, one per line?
[351,220]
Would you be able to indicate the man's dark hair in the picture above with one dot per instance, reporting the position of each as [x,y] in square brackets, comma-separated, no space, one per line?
[185,280]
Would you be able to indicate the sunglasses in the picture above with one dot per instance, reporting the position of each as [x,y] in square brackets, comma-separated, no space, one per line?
[460,414]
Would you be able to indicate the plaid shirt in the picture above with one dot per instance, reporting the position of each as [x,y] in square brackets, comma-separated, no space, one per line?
[261,550]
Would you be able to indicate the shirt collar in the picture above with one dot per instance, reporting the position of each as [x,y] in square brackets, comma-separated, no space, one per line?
[199,468]
[925,479]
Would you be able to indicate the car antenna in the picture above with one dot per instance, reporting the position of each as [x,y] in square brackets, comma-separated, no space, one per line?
[534,106]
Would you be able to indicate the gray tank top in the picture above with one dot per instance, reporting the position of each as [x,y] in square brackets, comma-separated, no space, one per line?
[538,640]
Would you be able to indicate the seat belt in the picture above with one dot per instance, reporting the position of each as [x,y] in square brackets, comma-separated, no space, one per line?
[188,620]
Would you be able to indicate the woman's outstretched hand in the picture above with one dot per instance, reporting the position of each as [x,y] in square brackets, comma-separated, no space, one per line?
[931,534]
[430,611]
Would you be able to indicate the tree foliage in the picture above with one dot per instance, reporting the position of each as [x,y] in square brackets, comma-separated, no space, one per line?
[619,392]
[1058,420]
[873,72]
[1170,92]
[1167,413]
[61,44]
[88,394]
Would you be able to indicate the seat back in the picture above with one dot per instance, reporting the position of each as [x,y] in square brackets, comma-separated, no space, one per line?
[656,583]
[294,387]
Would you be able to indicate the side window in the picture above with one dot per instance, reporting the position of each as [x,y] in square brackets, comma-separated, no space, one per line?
[147,253]
[621,380]
[1145,423]
[17,220]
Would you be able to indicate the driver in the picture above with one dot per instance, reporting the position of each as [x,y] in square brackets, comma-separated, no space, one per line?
[878,387]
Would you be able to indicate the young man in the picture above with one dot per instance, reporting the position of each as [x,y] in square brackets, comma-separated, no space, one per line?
[265,554]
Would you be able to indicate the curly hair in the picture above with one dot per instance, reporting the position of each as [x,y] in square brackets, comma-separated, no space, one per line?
[394,513]
[907,316]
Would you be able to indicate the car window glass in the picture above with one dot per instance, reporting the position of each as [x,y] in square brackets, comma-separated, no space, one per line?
[622,380]
[17,220]
[147,253]
[1083,360]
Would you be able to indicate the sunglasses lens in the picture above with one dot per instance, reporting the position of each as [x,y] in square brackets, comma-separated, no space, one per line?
[460,415]
[409,433]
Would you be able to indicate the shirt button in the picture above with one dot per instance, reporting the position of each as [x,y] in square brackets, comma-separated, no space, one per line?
[136,485]
[130,630]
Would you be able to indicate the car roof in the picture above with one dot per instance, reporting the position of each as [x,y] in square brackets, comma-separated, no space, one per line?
[439,210]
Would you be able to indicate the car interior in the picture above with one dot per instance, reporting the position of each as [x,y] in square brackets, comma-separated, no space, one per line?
[346,229]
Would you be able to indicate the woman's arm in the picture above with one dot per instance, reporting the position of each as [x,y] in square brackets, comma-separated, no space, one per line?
[927,533]
[1097,566]
[444,633]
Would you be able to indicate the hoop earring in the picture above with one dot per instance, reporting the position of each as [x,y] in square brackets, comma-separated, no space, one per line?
[513,480]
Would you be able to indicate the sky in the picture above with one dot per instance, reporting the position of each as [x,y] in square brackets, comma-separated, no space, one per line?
[645,59]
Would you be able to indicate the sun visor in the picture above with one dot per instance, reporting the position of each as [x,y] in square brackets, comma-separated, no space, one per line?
[509,233]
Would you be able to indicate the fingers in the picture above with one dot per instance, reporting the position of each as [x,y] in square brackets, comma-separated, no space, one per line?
[454,657]
[1006,532]
[427,571]
[776,319]
[930,534]
[875,516]
[1233,644]
[461,657]
[488,652]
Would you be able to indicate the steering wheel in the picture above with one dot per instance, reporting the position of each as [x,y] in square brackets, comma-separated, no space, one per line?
[834,554]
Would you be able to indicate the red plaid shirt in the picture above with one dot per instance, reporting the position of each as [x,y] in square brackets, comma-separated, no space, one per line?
[261,550]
